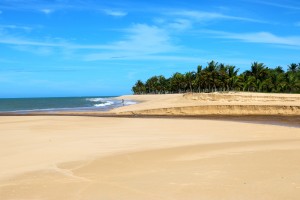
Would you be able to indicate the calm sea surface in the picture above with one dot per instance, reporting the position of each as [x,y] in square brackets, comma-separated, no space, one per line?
[23,105]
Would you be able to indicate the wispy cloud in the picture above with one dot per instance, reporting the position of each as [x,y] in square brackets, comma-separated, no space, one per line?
[48,7]
[285,5]
[115,13]
[173,24]
[21,41]
[186,19]
[138,40]
[11,26]
[43,51]
[207,16]
[47,11]
[141,40]
[259,37]
[180,24]
[10,40]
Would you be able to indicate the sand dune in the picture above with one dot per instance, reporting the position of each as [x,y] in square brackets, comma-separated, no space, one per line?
[219,110]
[51,157]
[213,104]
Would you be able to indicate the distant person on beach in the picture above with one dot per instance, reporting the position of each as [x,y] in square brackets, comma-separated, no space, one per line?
[123,102]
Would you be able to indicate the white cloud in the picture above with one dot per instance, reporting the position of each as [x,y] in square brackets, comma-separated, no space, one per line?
[19,41]
[176,24]
[47,11]
[280,5]
[141,40]
[9,40]
[180,24]
[260,37]
[184,19]
[143,36]
[115,13]
[207,16]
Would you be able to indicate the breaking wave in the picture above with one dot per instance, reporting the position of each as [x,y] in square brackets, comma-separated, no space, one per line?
[107,103]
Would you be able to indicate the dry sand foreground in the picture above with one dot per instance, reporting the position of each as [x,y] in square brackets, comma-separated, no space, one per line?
[88,158]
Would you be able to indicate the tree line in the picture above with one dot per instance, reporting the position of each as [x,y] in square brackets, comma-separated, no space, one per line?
[220,77]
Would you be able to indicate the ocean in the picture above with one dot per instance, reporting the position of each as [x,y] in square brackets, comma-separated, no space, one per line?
[51,104]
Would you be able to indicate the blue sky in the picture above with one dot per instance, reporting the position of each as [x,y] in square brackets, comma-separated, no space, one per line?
[89,47]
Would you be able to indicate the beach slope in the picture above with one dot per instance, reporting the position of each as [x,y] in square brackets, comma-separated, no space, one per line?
[197,104]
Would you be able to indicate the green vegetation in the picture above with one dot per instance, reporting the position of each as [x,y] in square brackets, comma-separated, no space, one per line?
[219,77]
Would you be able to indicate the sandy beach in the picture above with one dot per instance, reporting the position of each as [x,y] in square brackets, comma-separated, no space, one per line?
[149,100]
[84,158]
[232,103]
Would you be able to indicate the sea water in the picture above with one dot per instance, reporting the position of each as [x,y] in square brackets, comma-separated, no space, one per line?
[23,105]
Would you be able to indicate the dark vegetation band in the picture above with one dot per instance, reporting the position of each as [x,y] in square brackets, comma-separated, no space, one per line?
[219,77]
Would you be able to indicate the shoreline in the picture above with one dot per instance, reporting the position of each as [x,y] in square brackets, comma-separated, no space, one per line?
[279,109]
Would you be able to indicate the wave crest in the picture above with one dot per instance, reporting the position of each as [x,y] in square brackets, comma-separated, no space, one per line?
[95,99]
[107,103]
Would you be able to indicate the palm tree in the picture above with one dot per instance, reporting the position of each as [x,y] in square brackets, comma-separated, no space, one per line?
[139,88]
[177,82]
[211,72]
[235,83]
[258,71]
[277,78]
[152,85]
[266,85]
[199,79]
[223,77]
[279,69]
[162,84]
[292,67]
[190,77]
[232,77]
[293,83]
[250,83]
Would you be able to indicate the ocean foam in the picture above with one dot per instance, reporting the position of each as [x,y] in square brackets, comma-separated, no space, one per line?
[95,99]
[107,103]
[129,103]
